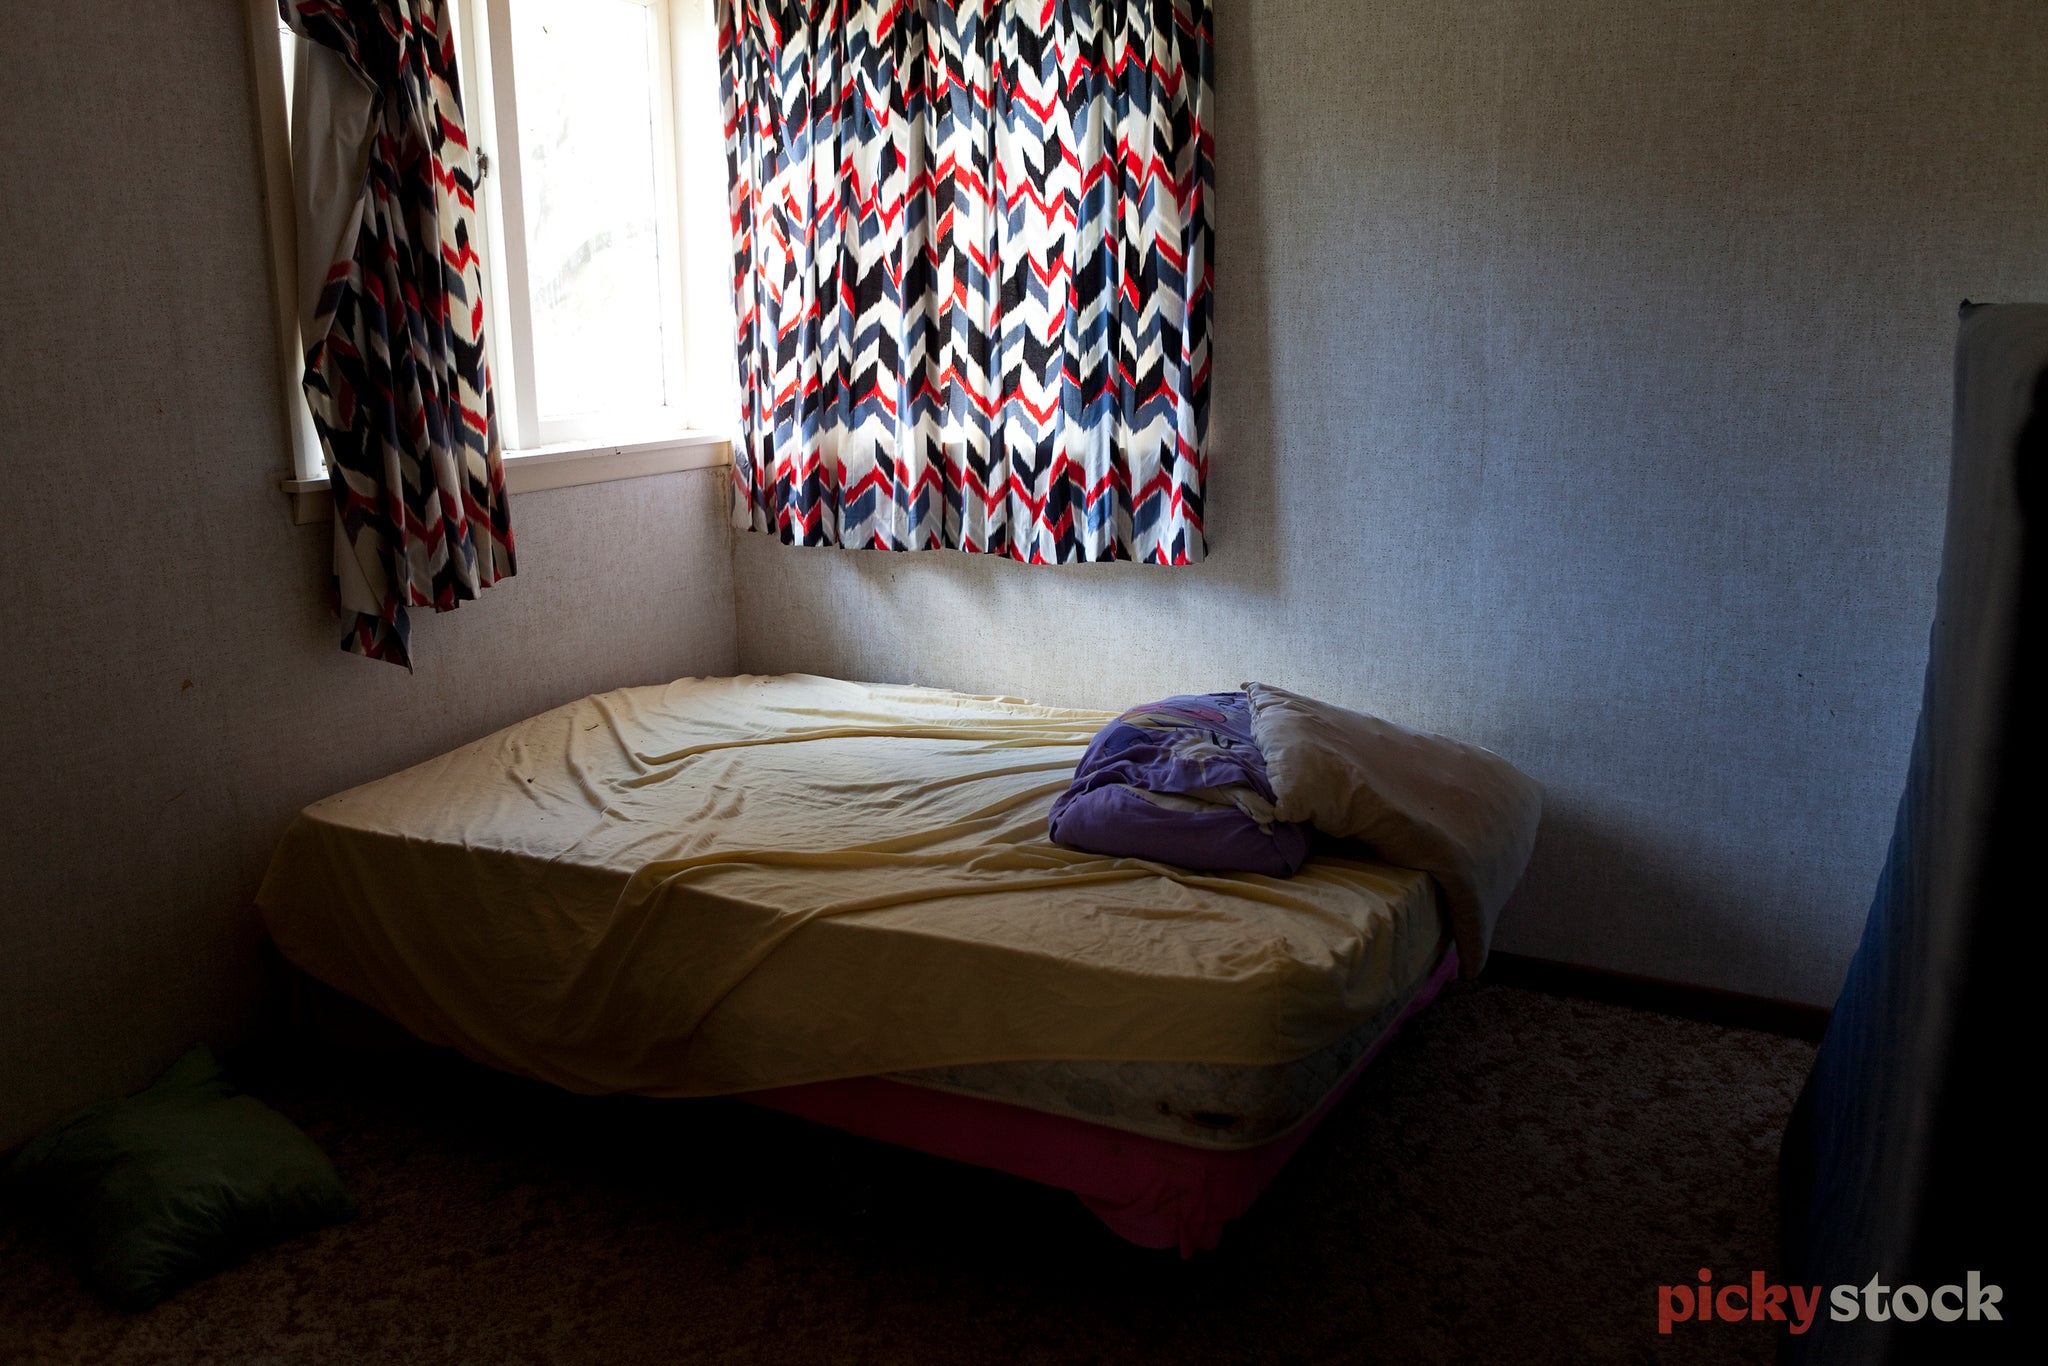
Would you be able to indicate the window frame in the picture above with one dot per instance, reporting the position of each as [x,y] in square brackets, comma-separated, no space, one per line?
[699,369]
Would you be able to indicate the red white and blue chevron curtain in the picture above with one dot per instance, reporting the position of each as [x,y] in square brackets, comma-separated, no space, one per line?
[395,369]
[972,267]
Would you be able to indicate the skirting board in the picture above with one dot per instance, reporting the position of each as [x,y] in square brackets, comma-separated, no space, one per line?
[1731,1008]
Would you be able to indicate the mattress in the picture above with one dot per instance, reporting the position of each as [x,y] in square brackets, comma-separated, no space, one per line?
[1153,1191]
[727,885]
[1218,1106]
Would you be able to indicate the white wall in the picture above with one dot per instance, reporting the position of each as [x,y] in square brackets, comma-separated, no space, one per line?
[173,687]
[1582,389]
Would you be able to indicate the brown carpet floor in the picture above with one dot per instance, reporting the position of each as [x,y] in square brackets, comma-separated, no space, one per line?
[1510,1182]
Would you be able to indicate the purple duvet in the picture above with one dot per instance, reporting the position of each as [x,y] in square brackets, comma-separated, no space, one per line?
[1179,781]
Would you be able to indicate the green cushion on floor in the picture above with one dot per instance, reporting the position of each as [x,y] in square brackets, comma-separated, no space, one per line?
[167,1186]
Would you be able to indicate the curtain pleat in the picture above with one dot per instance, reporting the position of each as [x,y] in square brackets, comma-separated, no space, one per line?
[972,248]
[396,375]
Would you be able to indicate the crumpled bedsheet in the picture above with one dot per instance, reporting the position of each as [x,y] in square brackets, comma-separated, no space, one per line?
[729,884]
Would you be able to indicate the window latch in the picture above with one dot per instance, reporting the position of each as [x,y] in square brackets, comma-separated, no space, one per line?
[483,167]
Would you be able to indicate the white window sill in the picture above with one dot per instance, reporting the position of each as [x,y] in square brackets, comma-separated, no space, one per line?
[554,467]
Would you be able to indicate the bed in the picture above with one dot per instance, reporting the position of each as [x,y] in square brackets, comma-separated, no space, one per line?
[839,900]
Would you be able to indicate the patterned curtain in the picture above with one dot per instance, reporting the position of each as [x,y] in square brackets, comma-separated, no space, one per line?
[972,271]
[395,369]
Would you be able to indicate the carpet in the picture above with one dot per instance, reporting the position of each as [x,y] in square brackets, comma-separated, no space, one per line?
[1510,1182]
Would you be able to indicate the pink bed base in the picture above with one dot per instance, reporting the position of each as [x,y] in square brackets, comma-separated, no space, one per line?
[1154,1192]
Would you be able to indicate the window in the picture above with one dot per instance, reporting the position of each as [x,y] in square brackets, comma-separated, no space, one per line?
[602,226]
[585,211]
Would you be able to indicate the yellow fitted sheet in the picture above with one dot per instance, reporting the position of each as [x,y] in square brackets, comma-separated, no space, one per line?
[726,884]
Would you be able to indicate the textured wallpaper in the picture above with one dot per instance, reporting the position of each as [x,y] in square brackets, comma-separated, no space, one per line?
[173,691]
[1582,390]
